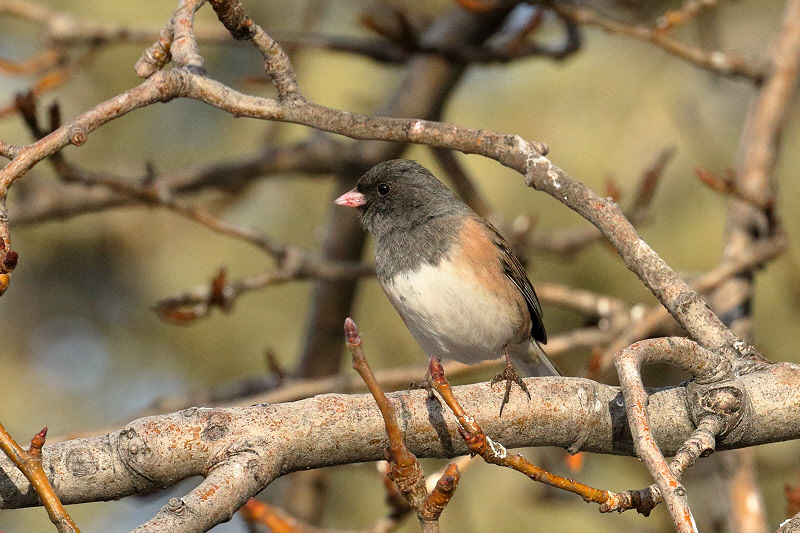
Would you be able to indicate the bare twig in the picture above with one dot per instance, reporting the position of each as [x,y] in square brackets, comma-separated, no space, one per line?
[751,222]
[495,453]
[568,242]
[278,520]
[30,463]
[512,151]
[730,185]
[706,367]
[183,50]
[689,10]
[241,450]
[723,63]
[295,264]
[405,470]
[650,320]
[9,151]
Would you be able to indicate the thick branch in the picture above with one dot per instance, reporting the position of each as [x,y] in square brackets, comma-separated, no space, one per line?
[155,452]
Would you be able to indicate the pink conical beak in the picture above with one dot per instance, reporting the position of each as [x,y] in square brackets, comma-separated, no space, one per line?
[351,198]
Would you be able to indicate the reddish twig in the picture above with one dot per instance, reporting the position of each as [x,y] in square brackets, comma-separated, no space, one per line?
[495,453]
[294,265]
[30,463]
[405,470]
[728,184]
[275,520]
[278,520]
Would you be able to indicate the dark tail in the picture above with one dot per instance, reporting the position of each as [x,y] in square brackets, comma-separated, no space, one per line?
[536,363]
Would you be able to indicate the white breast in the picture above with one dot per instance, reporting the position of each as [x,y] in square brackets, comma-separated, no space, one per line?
[450,314]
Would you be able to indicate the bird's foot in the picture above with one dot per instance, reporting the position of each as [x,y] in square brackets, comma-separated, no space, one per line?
[426,384]
[509,376]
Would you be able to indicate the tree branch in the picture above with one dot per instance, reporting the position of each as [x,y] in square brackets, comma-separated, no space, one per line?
[250,447]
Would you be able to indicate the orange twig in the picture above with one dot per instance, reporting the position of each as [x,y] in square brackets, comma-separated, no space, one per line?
[444,490]
[405,470]
[30,463]
[256,512]
[674,18]
[495,453]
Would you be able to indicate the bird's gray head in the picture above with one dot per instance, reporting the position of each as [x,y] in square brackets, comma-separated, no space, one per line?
[400,195]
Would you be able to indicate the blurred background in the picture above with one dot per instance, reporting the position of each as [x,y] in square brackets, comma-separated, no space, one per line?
[83,349]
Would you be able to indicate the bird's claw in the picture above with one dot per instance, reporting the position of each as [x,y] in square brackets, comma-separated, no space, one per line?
[426,384]
[509,376]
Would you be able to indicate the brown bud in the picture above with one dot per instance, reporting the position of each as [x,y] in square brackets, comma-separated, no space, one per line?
[37,442]
[10,260]
[350,331]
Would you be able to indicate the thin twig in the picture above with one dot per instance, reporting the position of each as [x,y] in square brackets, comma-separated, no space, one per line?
[8,150]
[656,317]
[405,470]
[723,63]
[495,453]
[688,11]
[566,243]
[30,463]
[706,367]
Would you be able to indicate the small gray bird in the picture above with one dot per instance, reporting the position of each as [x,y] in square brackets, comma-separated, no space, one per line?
[449,274]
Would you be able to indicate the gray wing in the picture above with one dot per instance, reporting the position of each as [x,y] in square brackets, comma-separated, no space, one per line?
[516,273]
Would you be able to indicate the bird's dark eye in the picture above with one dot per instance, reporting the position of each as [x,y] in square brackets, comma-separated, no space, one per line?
[383,189]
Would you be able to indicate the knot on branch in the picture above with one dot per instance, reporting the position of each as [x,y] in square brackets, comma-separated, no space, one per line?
[176,83]
[231,14]
[240,457]
[77,135]
[137,456]
[529,149]
[81,462]
[724,401]
[177,507]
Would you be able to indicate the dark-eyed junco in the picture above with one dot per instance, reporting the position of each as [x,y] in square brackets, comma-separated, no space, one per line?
[452,278]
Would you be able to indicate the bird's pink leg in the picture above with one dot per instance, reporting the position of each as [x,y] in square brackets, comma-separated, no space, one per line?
[426,381]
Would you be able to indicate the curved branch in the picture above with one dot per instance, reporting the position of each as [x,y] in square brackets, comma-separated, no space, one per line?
[510,150]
